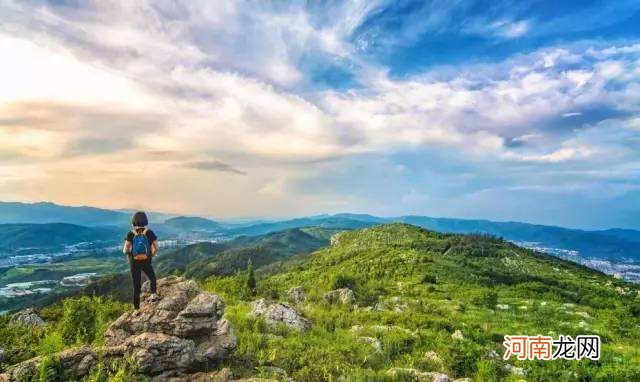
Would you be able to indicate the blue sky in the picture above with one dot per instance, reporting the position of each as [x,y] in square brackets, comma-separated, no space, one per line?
[506,110]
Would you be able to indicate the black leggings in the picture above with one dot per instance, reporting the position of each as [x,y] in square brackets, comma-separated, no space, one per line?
[137,267]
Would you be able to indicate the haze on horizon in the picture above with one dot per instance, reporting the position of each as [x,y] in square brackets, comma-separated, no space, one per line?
[504,110]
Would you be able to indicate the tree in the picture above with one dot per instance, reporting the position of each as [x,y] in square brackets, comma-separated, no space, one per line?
[251,278]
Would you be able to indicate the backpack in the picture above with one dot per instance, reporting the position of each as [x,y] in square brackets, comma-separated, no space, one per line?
[140,245]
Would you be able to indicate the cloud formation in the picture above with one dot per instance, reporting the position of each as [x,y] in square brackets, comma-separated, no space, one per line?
[317,105]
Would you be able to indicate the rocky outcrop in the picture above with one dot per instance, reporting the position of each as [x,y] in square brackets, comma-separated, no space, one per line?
[340,296]
[279,313]
[27,317]
[74,362]
[297,294]
[174,339]
[184,330]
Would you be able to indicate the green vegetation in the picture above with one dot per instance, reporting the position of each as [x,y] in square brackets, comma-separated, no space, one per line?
[423,300]
[414,289]
[203,260]
[251,279]
[74,321]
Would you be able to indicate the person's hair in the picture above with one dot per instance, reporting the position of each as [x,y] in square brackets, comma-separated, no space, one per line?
[139,219]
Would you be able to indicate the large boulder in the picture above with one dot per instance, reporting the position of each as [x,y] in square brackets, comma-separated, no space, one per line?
[277,312]
[185,321]
[27,317]
[340,296]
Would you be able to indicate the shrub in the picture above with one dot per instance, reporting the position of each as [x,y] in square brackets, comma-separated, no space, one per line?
[251,279]
[78,321]
[343,281]
[429,279]
[487,299]
[50,370]
[488,371]
[634,309]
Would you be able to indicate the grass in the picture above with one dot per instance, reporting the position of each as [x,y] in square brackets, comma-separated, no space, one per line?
[414,289]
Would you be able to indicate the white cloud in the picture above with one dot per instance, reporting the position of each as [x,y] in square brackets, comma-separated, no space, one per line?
[509,30]
[223,83]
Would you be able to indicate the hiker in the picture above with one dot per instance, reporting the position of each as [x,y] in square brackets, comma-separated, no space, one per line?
[140,246]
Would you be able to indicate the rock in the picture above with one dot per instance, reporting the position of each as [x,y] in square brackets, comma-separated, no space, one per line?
[335,239]
[438,377]
[2,355]
[78,361]
[275,372]
[377,345]
[457,335]
[223,375]
[502,306]
[340,296]
[463,380]
[514,370]
[492,354]
[23,371]
[27,317]
[75,362]
[297,294]
[186,320]
[417,375]
[155,353]
[432,356]
[277,312]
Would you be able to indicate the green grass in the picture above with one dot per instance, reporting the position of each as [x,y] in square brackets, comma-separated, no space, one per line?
[414,289]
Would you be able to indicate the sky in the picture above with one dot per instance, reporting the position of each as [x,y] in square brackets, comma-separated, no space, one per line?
[504,110]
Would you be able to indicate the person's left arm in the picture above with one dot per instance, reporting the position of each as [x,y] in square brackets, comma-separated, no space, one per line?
[154,243]
[126,248]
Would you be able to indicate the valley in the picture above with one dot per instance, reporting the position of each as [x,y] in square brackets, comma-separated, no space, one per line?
[34,251]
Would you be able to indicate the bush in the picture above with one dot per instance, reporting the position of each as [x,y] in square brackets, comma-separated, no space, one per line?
[487,299]
[634,309]
[488,371]
[50,370]
[78,321]
[343,281]
[429,279]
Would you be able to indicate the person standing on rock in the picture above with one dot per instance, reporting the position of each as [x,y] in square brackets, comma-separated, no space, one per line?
[140,246]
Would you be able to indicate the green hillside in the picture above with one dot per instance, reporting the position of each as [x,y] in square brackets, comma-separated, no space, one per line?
[188,223]
[51,235]
[423,301]
[203,260]
[415,288]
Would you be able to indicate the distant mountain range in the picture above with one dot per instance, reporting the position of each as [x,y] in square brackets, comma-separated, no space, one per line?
[45,212]
[615,244]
